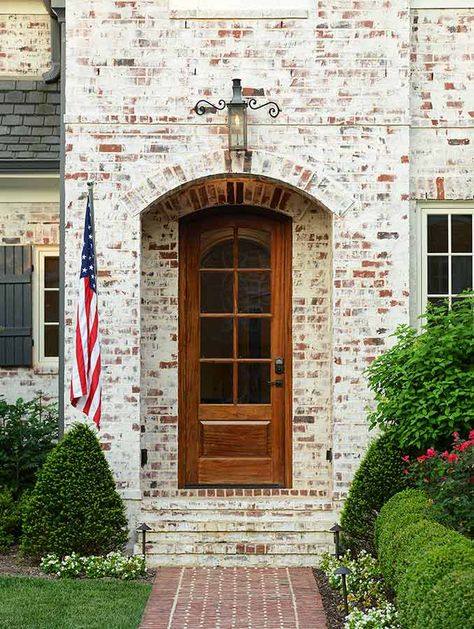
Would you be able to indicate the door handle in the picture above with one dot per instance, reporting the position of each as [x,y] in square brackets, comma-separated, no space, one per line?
[275,383]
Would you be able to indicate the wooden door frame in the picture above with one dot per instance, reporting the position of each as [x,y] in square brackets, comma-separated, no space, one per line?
[287,290]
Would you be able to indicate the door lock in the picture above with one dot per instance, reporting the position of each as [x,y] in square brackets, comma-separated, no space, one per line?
[275,383]
[279,365]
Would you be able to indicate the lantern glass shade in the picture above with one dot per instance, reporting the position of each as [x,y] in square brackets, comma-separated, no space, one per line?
[237,126]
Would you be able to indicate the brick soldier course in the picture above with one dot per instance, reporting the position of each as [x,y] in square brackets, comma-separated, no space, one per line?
[234,598]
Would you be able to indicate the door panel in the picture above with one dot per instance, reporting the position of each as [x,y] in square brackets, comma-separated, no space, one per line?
[235,321]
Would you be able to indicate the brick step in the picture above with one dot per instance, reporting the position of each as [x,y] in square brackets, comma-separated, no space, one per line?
[233,560]
[238,525]
[243,535]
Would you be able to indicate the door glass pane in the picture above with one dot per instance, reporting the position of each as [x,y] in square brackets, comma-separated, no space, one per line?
[461,233]
[217,249]
[51,272]
[216,291]
[254,291]
[437,275]
[51,340]
[216,383]
[461,268]
[254,249]
[216,338]
[254,338]
[253,383]
[51,305]
[438,233]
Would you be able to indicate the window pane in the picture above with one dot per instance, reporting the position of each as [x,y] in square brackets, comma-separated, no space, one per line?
[216,338]
[216,383]
[461,233]
[254,292]
[253,383]
[217,248]
[216,291]
[254,249]
[51,340]
[438,275]
[439,302]
[51,305]
[51,272]
[254,338]
[461,269]
[438,233]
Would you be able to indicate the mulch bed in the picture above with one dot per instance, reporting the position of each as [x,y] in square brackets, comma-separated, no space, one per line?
[13,564]
[332,601]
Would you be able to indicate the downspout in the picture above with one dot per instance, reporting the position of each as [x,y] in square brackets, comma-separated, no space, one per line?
[54,72]
[58,7]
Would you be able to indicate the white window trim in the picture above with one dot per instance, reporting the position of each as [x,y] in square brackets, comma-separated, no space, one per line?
[39,359]
[434,207]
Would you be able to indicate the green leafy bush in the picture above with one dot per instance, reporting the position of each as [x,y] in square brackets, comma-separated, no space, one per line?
[420,559]
[406,507]
[450,603]
[28,431]
[396,554]
[74,506]
[379,476]
[424,384]
[115,565]
[446,477]
[421,577]
[9,518]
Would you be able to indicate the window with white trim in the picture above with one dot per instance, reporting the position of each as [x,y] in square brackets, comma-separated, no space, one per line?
[47,306]
[447,266]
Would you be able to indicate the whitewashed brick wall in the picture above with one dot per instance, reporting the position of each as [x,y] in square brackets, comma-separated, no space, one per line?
[24,45]
[354,82]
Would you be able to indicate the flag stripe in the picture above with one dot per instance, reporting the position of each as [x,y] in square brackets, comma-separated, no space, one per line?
[86,387]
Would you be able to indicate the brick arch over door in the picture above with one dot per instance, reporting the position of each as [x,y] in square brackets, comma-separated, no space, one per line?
[259,178]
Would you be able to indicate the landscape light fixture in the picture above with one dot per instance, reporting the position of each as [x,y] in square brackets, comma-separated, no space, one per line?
[237,114]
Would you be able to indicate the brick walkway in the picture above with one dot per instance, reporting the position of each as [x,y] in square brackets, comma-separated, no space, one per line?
[234,598]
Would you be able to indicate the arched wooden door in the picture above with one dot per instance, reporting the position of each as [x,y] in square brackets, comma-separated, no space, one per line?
[235,349]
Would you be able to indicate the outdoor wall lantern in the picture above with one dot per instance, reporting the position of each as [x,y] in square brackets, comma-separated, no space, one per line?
[237,117]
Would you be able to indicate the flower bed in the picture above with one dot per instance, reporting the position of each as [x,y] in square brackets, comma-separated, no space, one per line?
[113,565]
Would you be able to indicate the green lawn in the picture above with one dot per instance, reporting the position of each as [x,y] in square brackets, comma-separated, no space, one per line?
[35,603]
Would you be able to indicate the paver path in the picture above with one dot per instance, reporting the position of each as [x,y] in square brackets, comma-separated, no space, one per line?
[234,598]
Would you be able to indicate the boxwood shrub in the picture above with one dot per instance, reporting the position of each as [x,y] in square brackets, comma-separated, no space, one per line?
[429,566]
[424,573]
[450,603]
[379,476]
[74,506]
[406,507]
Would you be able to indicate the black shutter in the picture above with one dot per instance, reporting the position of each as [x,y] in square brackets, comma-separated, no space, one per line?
[15,306]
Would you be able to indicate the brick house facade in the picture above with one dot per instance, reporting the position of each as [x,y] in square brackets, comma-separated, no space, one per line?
[375,136]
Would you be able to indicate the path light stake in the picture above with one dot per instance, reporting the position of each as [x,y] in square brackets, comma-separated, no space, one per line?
[336,529]
[143,528]
[343,572]
[237,114]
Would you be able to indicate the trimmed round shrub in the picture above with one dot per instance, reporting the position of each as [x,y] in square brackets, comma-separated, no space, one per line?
[74,506]
[426,570]
[406,507]
[403,548]
[449,604]
[379,476]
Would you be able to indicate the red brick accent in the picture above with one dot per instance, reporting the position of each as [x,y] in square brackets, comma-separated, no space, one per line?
[204,598]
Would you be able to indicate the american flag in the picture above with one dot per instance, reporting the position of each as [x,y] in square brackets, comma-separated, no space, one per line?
[86,388]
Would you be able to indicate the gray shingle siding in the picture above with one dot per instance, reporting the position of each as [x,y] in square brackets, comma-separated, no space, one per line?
[29,110]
